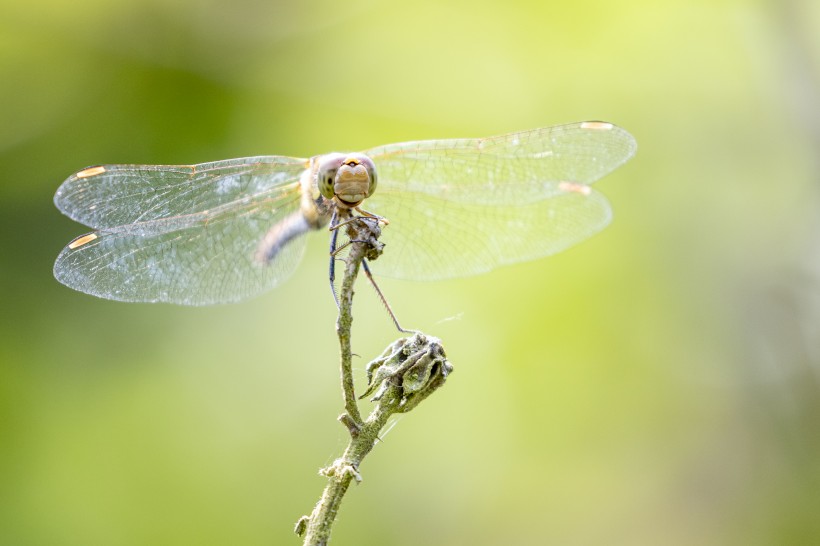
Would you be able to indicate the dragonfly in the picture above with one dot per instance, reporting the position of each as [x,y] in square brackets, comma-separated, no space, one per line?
[229,230]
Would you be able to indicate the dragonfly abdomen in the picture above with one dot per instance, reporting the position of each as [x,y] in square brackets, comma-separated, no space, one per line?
[280,235]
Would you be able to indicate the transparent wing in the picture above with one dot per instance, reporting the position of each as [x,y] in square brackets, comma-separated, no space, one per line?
[512,169]
[115,195]
[199,259]
[466,206]
[186,235]
[430,239]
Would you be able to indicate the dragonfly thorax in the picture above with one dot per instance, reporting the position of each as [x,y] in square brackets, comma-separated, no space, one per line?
[348,179]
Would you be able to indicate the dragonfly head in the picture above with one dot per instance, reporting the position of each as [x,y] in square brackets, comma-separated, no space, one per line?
[349,179]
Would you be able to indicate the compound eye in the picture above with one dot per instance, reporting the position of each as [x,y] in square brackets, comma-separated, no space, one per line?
[374,179]
[326,174]
[325,179]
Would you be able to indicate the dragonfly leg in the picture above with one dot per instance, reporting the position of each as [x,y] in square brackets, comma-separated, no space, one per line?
[383,299]
[335,225]
[347,244]
[368,214]
[343,223]
[338,249]
[333,251]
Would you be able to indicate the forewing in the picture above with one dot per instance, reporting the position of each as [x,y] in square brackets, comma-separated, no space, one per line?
[465,206]
[193,259]
[108,196]
[512,169]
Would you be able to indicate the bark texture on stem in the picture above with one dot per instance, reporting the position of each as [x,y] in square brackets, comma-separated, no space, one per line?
[408,371]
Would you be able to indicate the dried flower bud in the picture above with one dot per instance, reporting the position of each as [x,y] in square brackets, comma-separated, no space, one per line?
[416,365]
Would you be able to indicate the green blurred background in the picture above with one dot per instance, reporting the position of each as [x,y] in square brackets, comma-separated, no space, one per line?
[658,384]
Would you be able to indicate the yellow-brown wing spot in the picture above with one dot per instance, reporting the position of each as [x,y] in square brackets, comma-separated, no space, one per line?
[80,241]
[91,171]
[574,187]
[597,125]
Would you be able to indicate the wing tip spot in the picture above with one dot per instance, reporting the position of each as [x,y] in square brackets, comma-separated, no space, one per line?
[597,125]
[574,187]
[91,171]
[82,240]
